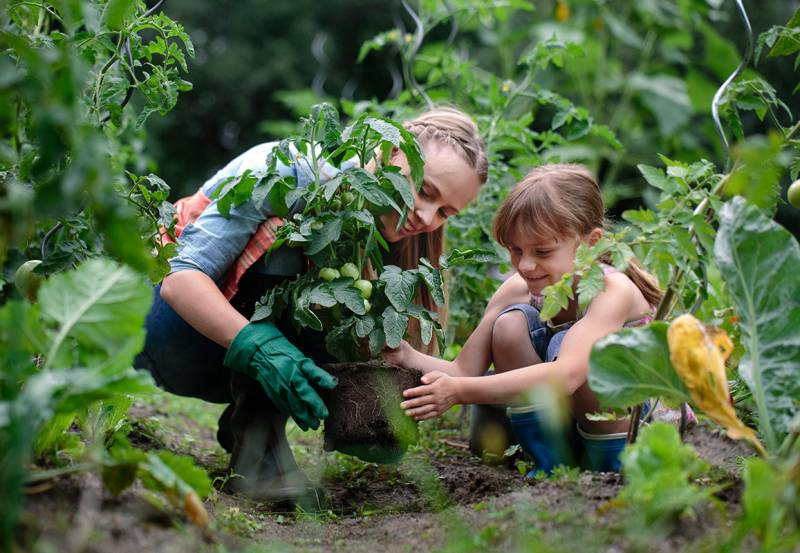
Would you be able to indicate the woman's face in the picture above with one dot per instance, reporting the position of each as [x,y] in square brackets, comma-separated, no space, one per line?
[448,186]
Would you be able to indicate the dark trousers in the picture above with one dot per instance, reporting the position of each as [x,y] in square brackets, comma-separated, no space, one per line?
[186,363]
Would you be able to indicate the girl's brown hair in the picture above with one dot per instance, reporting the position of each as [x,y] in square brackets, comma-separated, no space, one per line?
[557,200]
[450,126]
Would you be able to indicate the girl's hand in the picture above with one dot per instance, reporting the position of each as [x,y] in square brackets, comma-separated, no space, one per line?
[438,393]
[397,356]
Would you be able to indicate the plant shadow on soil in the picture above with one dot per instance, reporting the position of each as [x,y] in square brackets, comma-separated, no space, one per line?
[438,497]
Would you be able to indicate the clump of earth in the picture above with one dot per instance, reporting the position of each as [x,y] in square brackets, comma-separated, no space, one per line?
[365,418]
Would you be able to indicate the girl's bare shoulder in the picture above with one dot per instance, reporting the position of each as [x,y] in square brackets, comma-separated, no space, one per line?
[620,289]
[513,290]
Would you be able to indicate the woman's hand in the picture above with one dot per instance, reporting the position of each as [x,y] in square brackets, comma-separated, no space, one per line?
[438,393]
[398,356]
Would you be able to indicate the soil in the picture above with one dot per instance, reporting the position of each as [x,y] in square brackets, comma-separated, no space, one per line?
[438,497]
[365,418]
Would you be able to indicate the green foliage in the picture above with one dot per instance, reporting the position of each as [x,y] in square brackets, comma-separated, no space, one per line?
[630,366]
[336,228]
[756,256]
[89,324]
[67,138]
[659,479]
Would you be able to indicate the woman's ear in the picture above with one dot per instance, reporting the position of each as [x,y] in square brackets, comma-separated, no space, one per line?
[594,235]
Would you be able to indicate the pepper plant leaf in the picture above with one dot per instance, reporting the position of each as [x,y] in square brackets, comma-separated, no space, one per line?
[759,261]
[632,365]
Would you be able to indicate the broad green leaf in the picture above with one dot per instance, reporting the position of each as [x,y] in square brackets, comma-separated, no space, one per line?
[302,309]
[388,132]
[394,326]
[323,295]
[330,232]
[331,186]
[367,185]
[364,325]
[116,12]
[760,262]
[788,41]
[468,256]
[433,280]
[350,296]
[632,365]
[377,340]
[401,286]
[656,177]
[590,285]
[401,185]
[101,305]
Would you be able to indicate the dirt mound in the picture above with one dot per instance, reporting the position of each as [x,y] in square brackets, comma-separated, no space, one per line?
[365,417]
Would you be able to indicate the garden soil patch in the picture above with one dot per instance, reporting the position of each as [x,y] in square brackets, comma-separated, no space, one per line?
[433,499]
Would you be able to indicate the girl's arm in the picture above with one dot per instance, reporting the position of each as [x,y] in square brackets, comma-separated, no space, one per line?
[195,297]
[476,355]
[607,313]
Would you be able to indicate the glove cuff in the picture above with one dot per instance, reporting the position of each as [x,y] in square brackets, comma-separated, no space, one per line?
[247,342]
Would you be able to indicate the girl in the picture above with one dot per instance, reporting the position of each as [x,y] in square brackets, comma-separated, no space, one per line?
[541,223]
[199,340]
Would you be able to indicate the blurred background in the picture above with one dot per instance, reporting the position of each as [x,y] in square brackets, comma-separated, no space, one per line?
[261,63]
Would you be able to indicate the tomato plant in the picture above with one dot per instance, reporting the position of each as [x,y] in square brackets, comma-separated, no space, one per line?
[338,232]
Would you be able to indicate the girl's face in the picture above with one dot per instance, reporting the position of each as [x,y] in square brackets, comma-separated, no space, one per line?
[448,186]
[543,261]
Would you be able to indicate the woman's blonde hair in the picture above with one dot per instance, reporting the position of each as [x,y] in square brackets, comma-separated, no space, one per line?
[441,125]
[558,200]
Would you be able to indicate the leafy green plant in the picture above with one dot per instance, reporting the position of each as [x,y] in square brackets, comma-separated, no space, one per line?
[338,232]
[659,479]
[70,71]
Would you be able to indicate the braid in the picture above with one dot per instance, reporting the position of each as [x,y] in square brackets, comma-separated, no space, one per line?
[450,126]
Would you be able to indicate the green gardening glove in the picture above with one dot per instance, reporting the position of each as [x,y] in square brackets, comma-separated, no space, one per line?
[262,352]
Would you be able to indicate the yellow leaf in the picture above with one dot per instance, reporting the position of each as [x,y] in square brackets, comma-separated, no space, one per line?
[194,509]
[562,11]
[699,357]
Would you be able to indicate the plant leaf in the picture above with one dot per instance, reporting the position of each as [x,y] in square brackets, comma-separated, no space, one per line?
[632,365]
[394,326]
[699,360]
[101,306]
[760,262]
[400,286]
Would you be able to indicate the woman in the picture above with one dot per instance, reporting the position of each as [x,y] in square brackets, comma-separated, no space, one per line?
[200,342]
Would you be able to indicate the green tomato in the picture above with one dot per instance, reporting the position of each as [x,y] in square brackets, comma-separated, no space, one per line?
[793,194]
[348,198]
[350,270]
[365,287]
[28,282]
[367,305]
[328,274]
[336,204]
[317,225]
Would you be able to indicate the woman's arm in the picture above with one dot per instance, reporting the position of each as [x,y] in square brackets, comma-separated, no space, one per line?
[476,355]
[195,297]
[606,314]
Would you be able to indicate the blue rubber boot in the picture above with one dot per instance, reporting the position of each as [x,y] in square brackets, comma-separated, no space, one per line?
[603,450]
[548,445]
